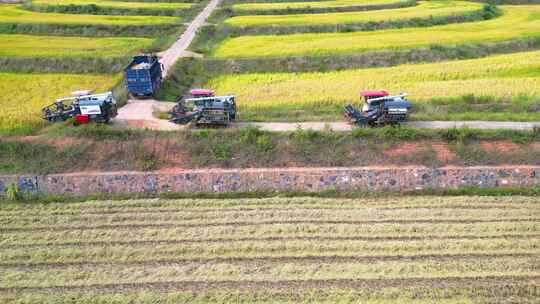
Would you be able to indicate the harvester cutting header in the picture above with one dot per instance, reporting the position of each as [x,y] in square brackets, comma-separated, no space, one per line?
[204,108]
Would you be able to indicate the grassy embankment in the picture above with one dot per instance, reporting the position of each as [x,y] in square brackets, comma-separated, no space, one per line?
[406,249]
[102,148]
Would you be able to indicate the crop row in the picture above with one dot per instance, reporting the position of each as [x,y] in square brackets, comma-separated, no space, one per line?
[118,4]
[260,216]
[264,249]
[309,4]
[268,270]
[223,234]
[15,14]
[205,205]
[516,22]
[78,47]
[430,9]
[468,292]
[161,206]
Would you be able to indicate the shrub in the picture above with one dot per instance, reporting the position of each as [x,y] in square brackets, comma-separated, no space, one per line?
[13,193]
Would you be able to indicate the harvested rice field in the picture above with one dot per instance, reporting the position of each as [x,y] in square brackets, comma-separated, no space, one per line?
[372,250]
[75,47]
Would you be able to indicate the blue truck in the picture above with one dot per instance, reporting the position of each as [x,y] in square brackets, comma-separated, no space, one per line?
[144,75]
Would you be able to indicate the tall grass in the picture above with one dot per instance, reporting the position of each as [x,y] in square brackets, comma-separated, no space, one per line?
[516,22]
[23,96]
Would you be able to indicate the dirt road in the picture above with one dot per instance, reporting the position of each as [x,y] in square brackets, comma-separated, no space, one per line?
[178,49]
[138,113]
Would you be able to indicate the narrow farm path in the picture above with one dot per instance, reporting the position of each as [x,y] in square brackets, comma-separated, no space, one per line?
[139,112]
[344,126]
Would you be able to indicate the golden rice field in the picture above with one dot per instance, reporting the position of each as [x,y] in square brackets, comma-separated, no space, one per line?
[516,22]
[75,47]
[500,76]
[426,9]
[23,96]
[15,14]
[272,250]
[311,4]
[118,4]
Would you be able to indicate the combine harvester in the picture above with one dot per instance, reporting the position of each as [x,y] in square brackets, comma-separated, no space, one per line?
[83,106]
[204,108]
[379,109]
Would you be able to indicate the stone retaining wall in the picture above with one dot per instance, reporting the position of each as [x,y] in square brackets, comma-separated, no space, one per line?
[275,179]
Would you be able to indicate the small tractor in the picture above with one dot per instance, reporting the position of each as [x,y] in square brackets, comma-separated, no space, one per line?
[379,109]
[82,106]
[204,108]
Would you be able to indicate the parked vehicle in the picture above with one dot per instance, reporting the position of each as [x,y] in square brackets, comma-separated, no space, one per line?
[82,106]
[205,108]
[144,75]
[379,109]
